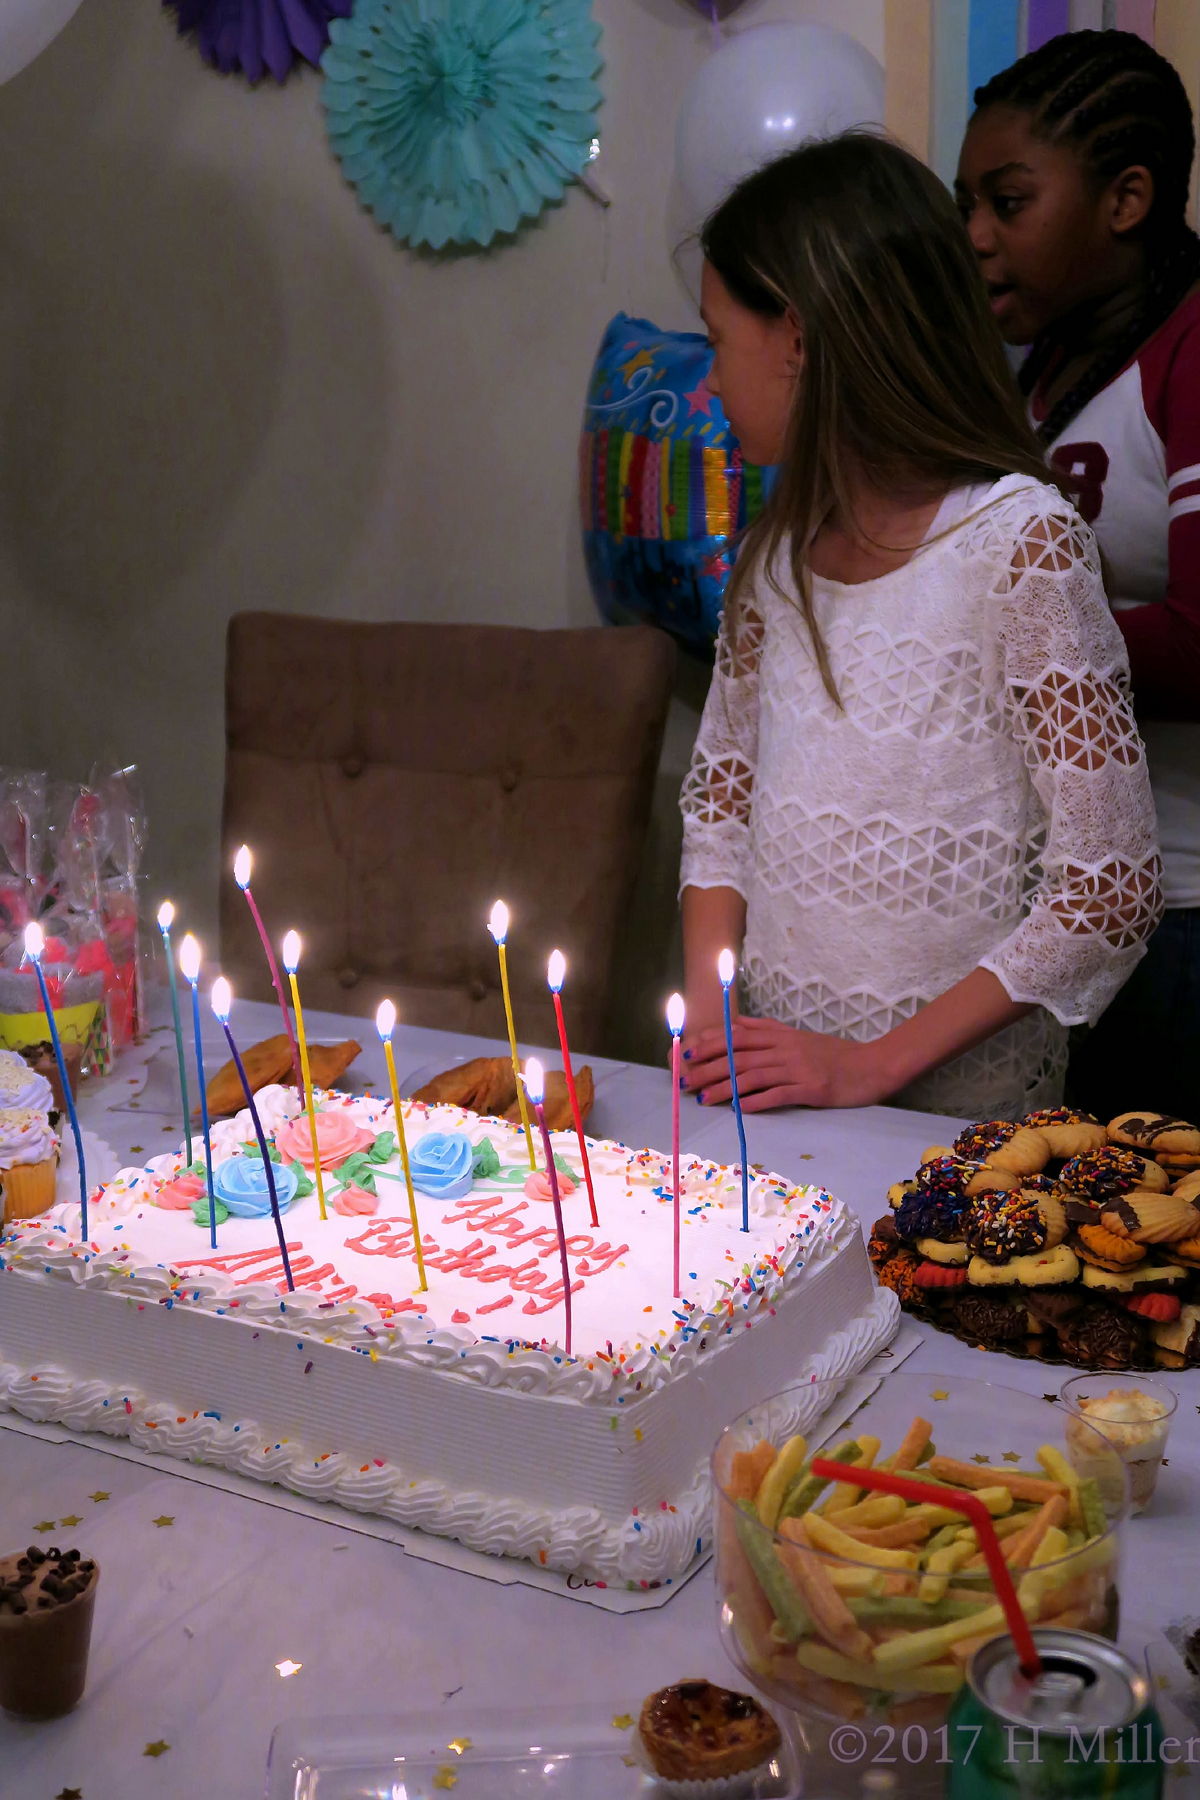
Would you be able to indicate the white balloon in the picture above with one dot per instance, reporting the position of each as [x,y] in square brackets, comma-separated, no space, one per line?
[764,91]
[26,27]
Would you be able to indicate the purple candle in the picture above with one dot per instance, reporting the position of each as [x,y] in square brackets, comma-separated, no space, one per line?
[222,1000]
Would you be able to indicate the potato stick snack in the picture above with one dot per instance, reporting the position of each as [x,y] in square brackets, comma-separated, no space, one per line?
[832,1617]
[1021,1487]
[914,1441]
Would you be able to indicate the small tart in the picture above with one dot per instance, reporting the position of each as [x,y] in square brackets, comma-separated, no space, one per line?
[695,1731]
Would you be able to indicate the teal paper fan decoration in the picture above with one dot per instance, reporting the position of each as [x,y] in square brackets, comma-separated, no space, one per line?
[456,119]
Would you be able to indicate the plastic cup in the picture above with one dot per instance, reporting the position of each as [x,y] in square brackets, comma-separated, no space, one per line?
[1139,1440]
[44,1654]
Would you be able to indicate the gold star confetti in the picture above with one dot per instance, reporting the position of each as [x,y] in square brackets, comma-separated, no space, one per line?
[445,1777]
[70,1794]
[622,1721]
[99,1495]
[459,1744]
[980,1458]
[1162,1681]
[159,1747]
[939,1394]
[46,1525]
[1011,1456]
[71,1519]
[1053,1399]
[163,1519]
[288,1667]
[137,1149]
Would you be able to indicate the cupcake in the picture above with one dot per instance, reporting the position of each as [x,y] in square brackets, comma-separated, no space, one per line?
[46,1602]
[705,1741]
[28,1162]
[22,1088]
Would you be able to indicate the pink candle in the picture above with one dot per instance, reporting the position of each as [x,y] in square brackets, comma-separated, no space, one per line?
[535,1087]
[555,975]
[675,1018]
[241,874]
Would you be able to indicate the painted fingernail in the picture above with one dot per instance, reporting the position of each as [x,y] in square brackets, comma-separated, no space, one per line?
[687,1056]
[682,1085]
[702,1096]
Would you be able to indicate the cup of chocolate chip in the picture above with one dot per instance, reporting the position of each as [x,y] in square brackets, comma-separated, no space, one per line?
[47,1598]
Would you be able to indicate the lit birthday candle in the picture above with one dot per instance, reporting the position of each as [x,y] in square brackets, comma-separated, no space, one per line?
[35,943]
[556,972]
[241,874]
[166,918]
[222,1000]
[385,1024]
[498,926]
[535,1084]
[291,962]
[726,969]
[676,1013]
[189,962]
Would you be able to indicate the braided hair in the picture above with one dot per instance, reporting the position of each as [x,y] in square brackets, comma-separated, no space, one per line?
[1112,97]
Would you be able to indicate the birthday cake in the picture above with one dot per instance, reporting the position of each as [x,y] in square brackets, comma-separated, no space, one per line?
[455,1408]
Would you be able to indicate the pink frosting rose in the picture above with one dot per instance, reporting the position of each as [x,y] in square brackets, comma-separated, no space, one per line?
[354,1200]
[181,1194]
[537,1186]
[337,1138]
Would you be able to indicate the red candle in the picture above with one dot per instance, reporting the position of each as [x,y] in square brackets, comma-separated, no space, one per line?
[535,1087]
[241,874]
[555,974]
[675,1018]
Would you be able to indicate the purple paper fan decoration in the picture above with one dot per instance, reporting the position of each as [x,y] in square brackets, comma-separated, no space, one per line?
[257,35]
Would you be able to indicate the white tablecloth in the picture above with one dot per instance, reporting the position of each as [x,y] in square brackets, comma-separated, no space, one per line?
[203,1592]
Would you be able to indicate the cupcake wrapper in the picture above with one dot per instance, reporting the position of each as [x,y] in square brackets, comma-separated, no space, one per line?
[720,1787]
[29,1188]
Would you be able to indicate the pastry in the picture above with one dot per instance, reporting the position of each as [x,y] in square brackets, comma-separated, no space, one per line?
[883,1243]
[1000,1226]
[1146,1278]
[1104,1248]
[1002,1145]
[1048,1268]
[1150,1218]
[1105,1174]
[991,1318]
[922,1215]
[899,1192]
[1181,1335]
[1068,1133]
[932,1152]
[697,1732]
[1188,1188]
[1158,1134]
[1187,1250]
[1104,1337]
[930,1275]
[46,1602]
[934,1250]
[29,1163]
[899,1274]
[1053,1215]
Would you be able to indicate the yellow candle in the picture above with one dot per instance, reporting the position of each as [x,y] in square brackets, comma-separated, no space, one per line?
[291,962]
[498,926]
[385,1019]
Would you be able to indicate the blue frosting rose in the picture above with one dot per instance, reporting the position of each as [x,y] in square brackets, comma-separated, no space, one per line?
[240,1184]
[442,1164]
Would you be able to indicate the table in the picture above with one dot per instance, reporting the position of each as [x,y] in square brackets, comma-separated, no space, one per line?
[204,1593]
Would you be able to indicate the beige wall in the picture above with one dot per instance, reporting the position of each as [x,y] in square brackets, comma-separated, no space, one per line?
[222,386]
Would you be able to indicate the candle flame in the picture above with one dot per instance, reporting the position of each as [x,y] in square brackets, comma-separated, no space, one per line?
[726,967]
[166,916]
[676,1013]
[291,952]
[535,1080]
[35,940]
[189,959]
[222,999]
[556,970]
[241,867]
[498,921]
[385,1019]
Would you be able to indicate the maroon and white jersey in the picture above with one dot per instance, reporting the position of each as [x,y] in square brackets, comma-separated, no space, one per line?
[1135,451]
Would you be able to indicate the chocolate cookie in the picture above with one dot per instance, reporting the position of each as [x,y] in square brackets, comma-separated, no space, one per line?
[999,1226]
[992,1320]
[1105,1174]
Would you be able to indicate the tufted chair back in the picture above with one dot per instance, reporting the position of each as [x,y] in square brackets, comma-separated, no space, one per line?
[394,780]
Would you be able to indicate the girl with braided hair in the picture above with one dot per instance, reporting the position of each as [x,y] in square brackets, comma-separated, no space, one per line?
[1073,182]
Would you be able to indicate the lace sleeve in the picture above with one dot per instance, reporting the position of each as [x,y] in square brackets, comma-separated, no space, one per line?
[1097,896]
[716,794]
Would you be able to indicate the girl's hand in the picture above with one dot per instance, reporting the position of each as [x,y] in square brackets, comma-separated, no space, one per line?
[779,1066]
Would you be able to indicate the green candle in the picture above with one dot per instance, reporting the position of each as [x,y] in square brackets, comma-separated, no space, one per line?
[166,916]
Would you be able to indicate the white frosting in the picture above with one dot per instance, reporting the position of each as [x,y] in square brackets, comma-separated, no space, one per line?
[21,1086]
[25,1137]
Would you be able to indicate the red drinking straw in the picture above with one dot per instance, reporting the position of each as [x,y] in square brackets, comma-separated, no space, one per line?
[886,1482]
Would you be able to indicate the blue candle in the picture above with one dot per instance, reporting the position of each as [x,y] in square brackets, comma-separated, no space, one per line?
[726,968]
[166,915]
[189,962]
[35,943]
[222,999]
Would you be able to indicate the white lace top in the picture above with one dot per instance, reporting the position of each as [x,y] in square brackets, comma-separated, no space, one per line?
[982,799]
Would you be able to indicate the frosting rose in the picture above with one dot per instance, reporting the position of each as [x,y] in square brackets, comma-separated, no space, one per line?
[355,1200]
[22,1087]
[337,1138]
[241,1185]
[537,1186]
[25,1137]
[181,1194]
[442,1164]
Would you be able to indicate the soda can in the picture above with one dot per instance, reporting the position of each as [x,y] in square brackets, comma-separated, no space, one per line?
[1084,1728]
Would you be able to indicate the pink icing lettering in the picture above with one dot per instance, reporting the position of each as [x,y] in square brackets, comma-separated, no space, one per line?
[549,1298]
[229,1265]
[462,1262]
[495,1305]
[601,1258]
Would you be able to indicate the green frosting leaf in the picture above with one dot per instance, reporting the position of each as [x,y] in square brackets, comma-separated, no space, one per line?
[304,1182]
[200,1211]
[253,1150]
[383,1149]
[564,1168]
[357,1170]
[485,1161]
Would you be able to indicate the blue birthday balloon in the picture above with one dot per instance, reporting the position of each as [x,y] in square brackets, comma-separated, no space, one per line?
[664,489]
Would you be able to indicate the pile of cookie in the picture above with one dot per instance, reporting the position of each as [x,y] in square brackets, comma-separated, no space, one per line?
[1056,1237]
